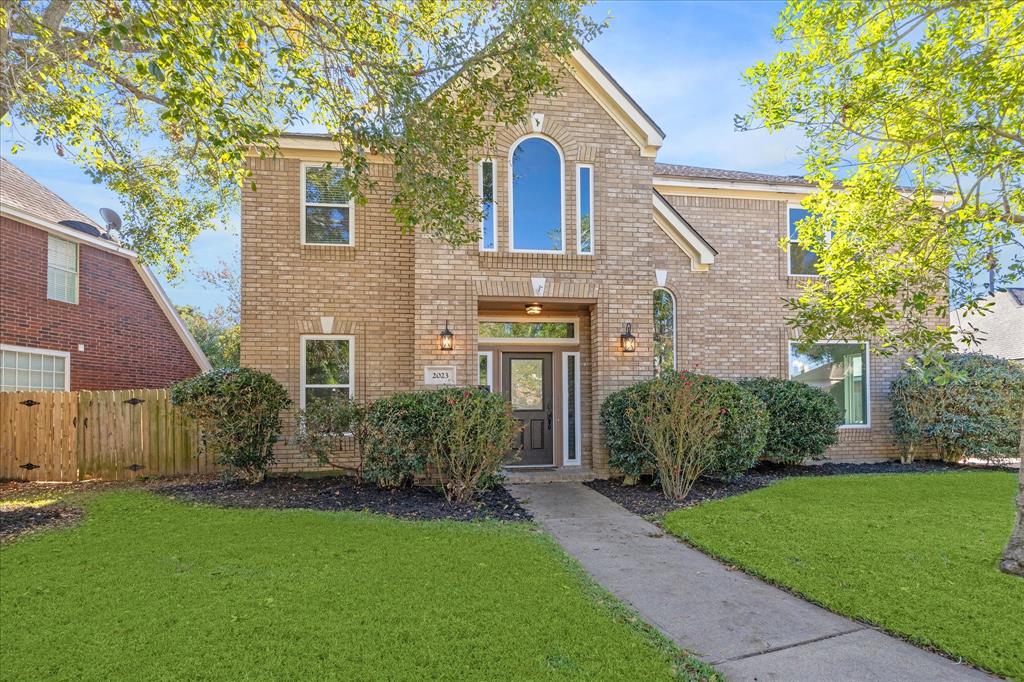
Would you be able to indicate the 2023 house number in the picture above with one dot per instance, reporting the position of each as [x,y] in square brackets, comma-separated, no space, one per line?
[439,376]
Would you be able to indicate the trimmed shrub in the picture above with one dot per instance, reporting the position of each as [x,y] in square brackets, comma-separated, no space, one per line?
[803,421]
[238,412]
[627,451]
[736,446]
[470,437]
[322,428]
[970,406]
[463,433]
[674,421]
[397,438]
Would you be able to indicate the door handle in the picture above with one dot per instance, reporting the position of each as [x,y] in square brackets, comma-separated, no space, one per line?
[549,420]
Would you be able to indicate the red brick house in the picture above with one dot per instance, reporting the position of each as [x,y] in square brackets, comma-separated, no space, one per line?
[77,309]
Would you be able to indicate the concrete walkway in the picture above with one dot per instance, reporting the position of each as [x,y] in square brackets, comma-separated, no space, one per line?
[747,629]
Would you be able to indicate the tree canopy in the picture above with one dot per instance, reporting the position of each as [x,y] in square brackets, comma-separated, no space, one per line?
[161,100]
[914,117]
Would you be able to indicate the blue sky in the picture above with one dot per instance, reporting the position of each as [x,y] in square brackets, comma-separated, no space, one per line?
[682,61]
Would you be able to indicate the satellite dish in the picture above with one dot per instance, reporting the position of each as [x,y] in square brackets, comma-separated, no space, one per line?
[111,218]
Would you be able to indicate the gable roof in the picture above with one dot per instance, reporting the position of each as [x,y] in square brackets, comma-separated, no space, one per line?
[701,253]
[607,92]
[1000,330]
[25,200]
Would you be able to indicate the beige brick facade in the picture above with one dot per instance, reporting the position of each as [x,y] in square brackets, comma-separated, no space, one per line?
[394,292]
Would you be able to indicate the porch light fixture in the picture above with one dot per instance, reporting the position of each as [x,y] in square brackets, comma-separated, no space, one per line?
[447,338]
[627,341]
[533,308]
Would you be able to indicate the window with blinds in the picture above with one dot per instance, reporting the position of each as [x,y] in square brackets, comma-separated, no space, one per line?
[62,270]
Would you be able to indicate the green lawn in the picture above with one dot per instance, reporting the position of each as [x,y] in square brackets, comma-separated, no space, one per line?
[147,588]
[914,553]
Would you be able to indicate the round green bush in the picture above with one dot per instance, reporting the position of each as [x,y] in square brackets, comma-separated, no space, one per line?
[737,446]
[968,406]
[238,412]
[397,430]
[803,421]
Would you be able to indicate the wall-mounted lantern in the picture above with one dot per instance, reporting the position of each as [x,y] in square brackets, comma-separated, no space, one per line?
[627,341]
[447,338]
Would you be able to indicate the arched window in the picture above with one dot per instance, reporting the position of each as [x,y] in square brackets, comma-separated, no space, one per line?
[537,187]
[664,331]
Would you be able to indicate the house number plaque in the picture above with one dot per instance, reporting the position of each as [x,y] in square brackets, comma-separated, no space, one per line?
[439,376]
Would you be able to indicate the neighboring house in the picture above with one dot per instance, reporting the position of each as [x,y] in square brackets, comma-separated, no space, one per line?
[77,310]
[596,267]
[1000,330]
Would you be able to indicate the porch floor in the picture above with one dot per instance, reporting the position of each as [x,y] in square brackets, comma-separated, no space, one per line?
[574,474]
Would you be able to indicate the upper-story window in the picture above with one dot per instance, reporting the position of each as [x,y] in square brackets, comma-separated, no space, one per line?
[801,261]
[537,189]
[488,239]
[62,270]
[585,209]
[326,206]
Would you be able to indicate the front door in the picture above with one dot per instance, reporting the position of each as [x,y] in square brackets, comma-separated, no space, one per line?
[526,383]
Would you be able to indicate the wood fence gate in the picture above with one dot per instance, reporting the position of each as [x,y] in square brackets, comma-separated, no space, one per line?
[78,435]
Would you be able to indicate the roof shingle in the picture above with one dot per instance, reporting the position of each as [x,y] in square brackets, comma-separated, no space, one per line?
[675,170]
[19,190]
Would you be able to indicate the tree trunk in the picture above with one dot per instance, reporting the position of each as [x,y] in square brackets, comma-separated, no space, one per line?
[1013,556]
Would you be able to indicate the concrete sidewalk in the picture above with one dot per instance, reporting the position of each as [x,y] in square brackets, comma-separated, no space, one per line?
[747,629]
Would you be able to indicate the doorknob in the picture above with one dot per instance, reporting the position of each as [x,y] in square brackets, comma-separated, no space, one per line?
[549,420]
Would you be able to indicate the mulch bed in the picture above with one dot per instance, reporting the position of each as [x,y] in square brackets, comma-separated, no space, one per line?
[645,498]
[21,520]
[336,494]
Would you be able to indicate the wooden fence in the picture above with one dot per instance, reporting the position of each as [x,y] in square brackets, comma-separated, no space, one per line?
[78,435]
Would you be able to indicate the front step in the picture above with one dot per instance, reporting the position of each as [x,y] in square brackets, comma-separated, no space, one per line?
[556,475]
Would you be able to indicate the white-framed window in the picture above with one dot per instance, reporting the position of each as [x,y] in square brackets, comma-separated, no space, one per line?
[842,370]
[61,270]
[585,209]
[34,369]
[489,222]
[328,212]
[512,329]
[664,339]
[536,181]
[326,367]
[802,263]
[485,369]
[572,425]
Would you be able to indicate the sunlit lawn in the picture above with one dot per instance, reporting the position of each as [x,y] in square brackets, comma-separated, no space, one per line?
[147,588]
[914,553]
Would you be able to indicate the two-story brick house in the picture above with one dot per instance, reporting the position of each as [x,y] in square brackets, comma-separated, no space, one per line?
[597,266]
[77,309]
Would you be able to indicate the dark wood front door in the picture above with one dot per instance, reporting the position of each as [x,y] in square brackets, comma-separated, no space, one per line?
[526,383]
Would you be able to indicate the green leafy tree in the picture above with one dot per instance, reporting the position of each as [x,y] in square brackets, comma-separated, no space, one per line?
[161,100]
[917,107]
[220,342]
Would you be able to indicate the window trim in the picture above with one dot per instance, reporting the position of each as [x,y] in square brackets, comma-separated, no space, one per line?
[44,351]
[791,206]
[867,376]
[489,354]
[351,386]
[511,196]
[576,459]
[579,210]
[77,271]
[675,319]
[302,211]
[494,201]
[508,340]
